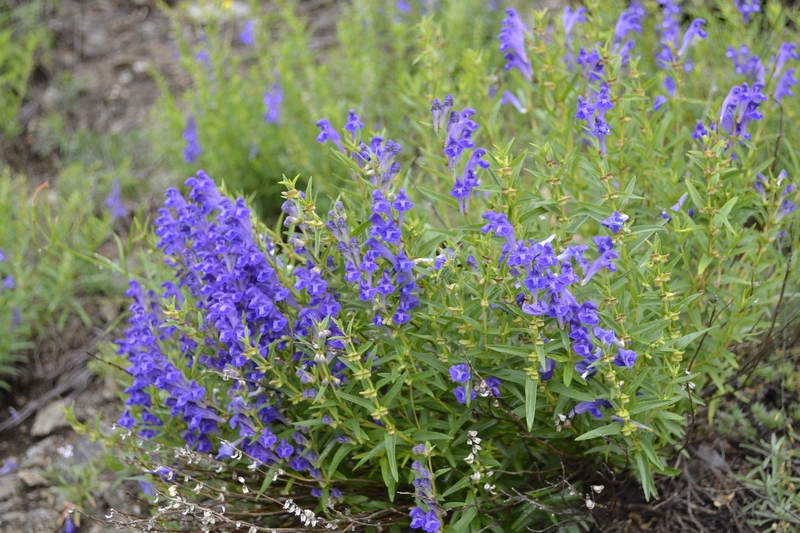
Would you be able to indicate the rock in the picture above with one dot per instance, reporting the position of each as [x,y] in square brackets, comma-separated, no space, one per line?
[12,521]
[125,77]
[50,98]
[49,419]
[40,454]
[32,478]
[40,520]
[95,42]
[9,487]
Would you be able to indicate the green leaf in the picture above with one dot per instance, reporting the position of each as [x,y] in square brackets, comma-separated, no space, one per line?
[559,388]
[422,435]
[530,402]
[391,442]
[614,428]
[340,454]
[460,484]
[569,370]
[388,480]
[465,520]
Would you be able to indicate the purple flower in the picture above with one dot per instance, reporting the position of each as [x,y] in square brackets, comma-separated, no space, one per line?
[498,222]
[8,282]
[417,518]
[570,18]
[700,130]
[678,206]
[670,33]
[114,201]
[785,84]
[401,202]
[461,395]
[327,133]
[284,449]
[192,150]
[585,109]
[601,130]
[460,128]
[494,385]
[419,449]
[605,247]
[590,407]
[625,358]
[746,64]
[440,112]
[385,286]
[605,336]
[272,101]
[460,373]
[247,36]
[659,102]
[432,522]
[787,206]
[202,57]
[615,222]
[354,124]
[591,64]
[9,466]
[695,30]
[747,8]
[628,21]
[69,527]
[509,98]
[512,41]
[739,108]
[785,53]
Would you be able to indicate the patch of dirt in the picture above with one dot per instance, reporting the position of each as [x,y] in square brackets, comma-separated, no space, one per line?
[96,75]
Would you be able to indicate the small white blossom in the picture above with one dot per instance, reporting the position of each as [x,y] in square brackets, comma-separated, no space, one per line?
[470,459]
[589,504]
[66,451]
[598,488]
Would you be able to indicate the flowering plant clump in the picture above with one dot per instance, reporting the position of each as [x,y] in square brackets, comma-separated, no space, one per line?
[471,322]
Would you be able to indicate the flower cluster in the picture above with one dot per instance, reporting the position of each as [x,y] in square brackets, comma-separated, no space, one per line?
[630,20]
[748,8]
[547,277]
[746,64]
[673,48]
[512,41]
[569,19]
[740,107]
[192,150]
[428,520]
[786,78]
[273,99]
[596,124]
[784,203]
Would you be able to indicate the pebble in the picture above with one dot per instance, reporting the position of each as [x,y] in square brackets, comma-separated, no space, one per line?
[49,419]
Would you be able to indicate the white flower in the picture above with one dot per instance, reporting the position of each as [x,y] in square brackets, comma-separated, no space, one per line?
[598,488]
[470,459]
